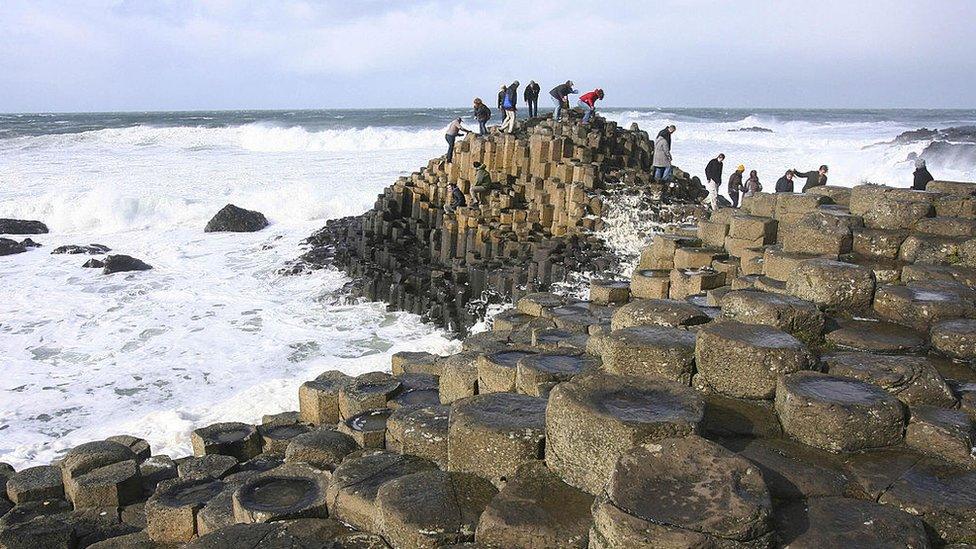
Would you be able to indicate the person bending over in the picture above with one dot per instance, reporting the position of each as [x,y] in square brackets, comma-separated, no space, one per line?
[453,129]
[560,94]
[532,98]
[814,179]
[587,102]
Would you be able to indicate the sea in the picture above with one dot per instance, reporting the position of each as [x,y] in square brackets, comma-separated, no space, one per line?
[213,332]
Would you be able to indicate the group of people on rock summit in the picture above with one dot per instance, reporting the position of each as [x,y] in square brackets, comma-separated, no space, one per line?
[508,98]
[737,187]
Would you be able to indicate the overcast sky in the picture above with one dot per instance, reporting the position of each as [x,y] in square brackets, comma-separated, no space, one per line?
[83,55]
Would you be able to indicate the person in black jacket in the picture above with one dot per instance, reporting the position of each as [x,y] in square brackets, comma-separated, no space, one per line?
[501,98]
[455,198]
[560,95]
[531,95]
[482,114]
[814,179]
[922,175]
[735,185]
[713,174]
[785,183]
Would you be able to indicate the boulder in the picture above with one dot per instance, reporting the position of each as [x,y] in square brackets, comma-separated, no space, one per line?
[534,304]
[819,233]
[593,418]
[230,218]
[838,414]
[942,495]
[650,284]
[536,510]
[603,292]
[657,312]
[275,437]
[837,195]
[794,471]
[90,249]
[287,493]
[876,337]
[459,378]
[650,352]
[841,522]
[21,226]
[744,360]
[946,434]
[93,264]
[324,448]
[369,391]
[914,380]
[318,400]
[123,263]
[420,431]
[11,247]
[417,362]
[920,305]
[139,446]
[682,492]
[934,249]
[235,439]
[171,512]
[832,284]
[209,466]
[923,273]
[38,483]
[798,317]
[878,243]
[114,485]
[496,371]
[778,265]
[491,435]
[955,338]
[536,375]
[355,483]
[432,508]
[947,226]
[367,428]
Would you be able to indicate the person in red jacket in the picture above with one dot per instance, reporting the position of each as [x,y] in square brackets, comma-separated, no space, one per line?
[587,102]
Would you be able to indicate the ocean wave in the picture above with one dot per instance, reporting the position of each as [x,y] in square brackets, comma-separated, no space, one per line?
[256,137]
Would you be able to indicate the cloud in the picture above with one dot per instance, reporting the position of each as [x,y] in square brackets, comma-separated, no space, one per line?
[108,54]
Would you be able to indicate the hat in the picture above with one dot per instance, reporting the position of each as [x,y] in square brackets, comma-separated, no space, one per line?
[740,168]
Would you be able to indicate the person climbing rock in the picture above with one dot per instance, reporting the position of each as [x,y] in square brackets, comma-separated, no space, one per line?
[450,134]
[560,95]
[922,175]
[482,183]
[752,184]
[735,185]
[587,102]
[713,174]
[482,114]
[509,105]
[455,198]
[662,154]
[785,183]
[532,98]
[814,179]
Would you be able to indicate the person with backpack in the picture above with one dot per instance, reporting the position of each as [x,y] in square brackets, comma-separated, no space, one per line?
[587,102]
[560,94]
[509,104]
[482,114]
[532,98]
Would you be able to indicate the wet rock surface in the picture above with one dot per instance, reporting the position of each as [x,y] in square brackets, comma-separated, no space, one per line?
[123,263]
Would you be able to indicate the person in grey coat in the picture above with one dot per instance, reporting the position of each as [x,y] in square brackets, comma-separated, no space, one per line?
[662,154]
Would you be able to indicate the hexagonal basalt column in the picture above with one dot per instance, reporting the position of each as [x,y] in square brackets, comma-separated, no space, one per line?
[238,440]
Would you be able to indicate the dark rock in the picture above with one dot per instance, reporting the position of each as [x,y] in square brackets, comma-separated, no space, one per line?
[35,484]
[11,247]
[323,448]
[876,337]
[94,264]
[842,522]
[208,466]
[91,249]
[239,440]
[20,226]
[171,513]
[914,380]
[29,244]
[288,492]
[942,495]
[233,219]
[121,263]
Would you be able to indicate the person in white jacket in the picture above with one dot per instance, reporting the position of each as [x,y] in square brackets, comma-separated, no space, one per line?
[662,154]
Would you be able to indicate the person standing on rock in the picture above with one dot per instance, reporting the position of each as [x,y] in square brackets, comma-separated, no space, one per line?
[482,183]
[922,175]
[532,98]
[713,174]
[735,185]
[662,154]
[453,129]
[587,102]
[509,103]
[752,184]
[560,94]
[455,198]
[785,183]
[482,114]
[501,98]
[814,179]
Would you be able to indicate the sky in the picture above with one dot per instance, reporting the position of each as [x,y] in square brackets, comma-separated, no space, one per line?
[105,55]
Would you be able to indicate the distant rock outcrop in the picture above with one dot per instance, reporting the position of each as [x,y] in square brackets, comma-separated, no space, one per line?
[91,249]
[11,247]
[237,220]
[21,226]
[120,263]
[756,129]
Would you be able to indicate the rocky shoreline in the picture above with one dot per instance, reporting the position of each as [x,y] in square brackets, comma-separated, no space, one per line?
[795,373]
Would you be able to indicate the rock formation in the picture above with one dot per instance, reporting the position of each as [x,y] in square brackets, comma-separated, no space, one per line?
[21,226]
[551,187]
[230,218]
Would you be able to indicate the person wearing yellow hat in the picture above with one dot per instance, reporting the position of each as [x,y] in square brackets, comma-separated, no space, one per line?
[735,185]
